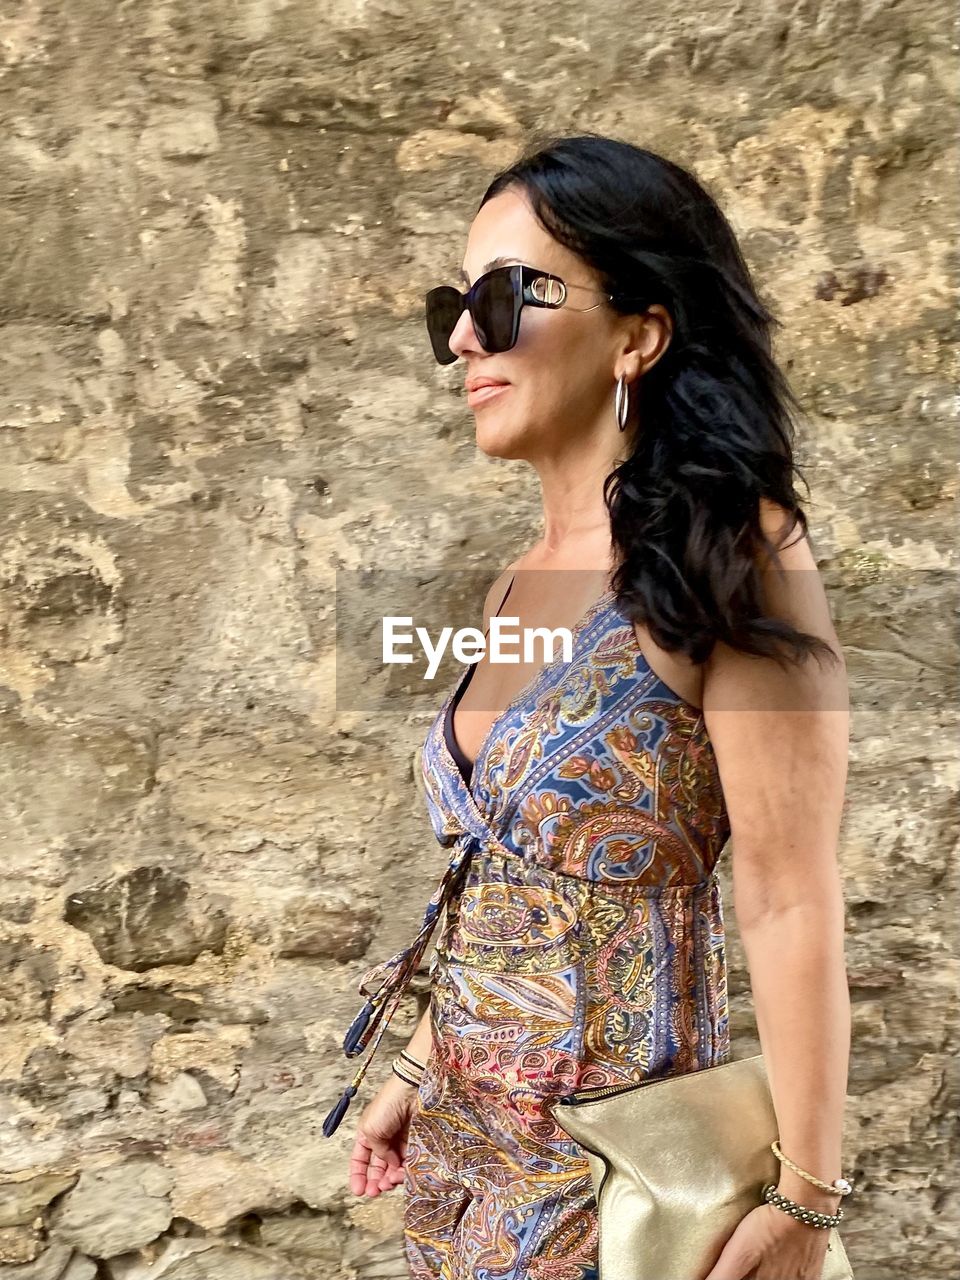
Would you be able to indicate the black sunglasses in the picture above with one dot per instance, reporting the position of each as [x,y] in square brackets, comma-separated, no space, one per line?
[495,301]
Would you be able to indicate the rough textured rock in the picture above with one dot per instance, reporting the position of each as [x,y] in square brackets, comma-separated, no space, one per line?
[22,1201]
[327,927]
[50,1264]
[116,1209]
[215,394]
[191,1259]
[143,920]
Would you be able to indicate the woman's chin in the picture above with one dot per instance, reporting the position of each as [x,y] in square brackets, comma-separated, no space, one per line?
[497,440]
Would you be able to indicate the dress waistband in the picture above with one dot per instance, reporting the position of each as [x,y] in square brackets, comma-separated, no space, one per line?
[384,984]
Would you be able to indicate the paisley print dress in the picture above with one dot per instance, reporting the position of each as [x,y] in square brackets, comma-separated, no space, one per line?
[581,943]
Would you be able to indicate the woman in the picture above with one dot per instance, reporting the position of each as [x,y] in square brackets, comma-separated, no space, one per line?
[588,802]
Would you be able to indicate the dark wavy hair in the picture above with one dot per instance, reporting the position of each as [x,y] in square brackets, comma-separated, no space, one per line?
[716,432]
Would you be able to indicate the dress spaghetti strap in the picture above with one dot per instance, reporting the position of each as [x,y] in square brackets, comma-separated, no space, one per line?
[463,764]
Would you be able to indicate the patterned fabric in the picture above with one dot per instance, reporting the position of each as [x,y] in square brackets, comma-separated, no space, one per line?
[581,943]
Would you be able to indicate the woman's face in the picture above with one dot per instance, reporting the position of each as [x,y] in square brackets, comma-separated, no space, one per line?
[562,372]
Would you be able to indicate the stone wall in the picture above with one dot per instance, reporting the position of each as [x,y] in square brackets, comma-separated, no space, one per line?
[219,219]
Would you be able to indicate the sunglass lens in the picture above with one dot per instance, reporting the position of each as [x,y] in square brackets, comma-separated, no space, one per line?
[493,314]
[444,306]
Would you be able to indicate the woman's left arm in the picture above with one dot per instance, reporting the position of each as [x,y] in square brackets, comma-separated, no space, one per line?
[781,737]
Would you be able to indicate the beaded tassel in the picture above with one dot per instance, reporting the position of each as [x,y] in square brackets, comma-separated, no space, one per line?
[351,1040]
[332,1122]
[339,1109]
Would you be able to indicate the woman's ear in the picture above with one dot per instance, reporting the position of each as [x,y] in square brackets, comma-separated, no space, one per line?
[647,337]
[658,334]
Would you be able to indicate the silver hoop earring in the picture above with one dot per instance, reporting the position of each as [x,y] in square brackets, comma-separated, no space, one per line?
[623,402]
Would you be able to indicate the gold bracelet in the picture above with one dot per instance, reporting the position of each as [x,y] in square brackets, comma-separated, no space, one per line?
[420,1066]
[839,1186]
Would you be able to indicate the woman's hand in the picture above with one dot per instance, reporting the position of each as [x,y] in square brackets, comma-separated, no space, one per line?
[770,1245]
[377,1160]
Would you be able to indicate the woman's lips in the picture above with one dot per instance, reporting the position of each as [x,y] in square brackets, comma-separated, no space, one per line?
[483,394]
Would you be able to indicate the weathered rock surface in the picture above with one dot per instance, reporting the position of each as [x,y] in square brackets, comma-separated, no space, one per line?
[145,919]
[116,1209]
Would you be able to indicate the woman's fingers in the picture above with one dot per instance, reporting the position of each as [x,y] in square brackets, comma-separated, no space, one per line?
[392,1178]
[383,1172]
[373,1166]
[360,1164]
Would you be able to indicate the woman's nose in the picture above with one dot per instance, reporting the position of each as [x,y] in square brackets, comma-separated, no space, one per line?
[464,336]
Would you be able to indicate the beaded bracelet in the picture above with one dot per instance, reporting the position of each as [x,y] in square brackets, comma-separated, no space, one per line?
[811,1216]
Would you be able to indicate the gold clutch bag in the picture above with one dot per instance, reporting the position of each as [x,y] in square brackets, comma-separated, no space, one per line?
[676,1162]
